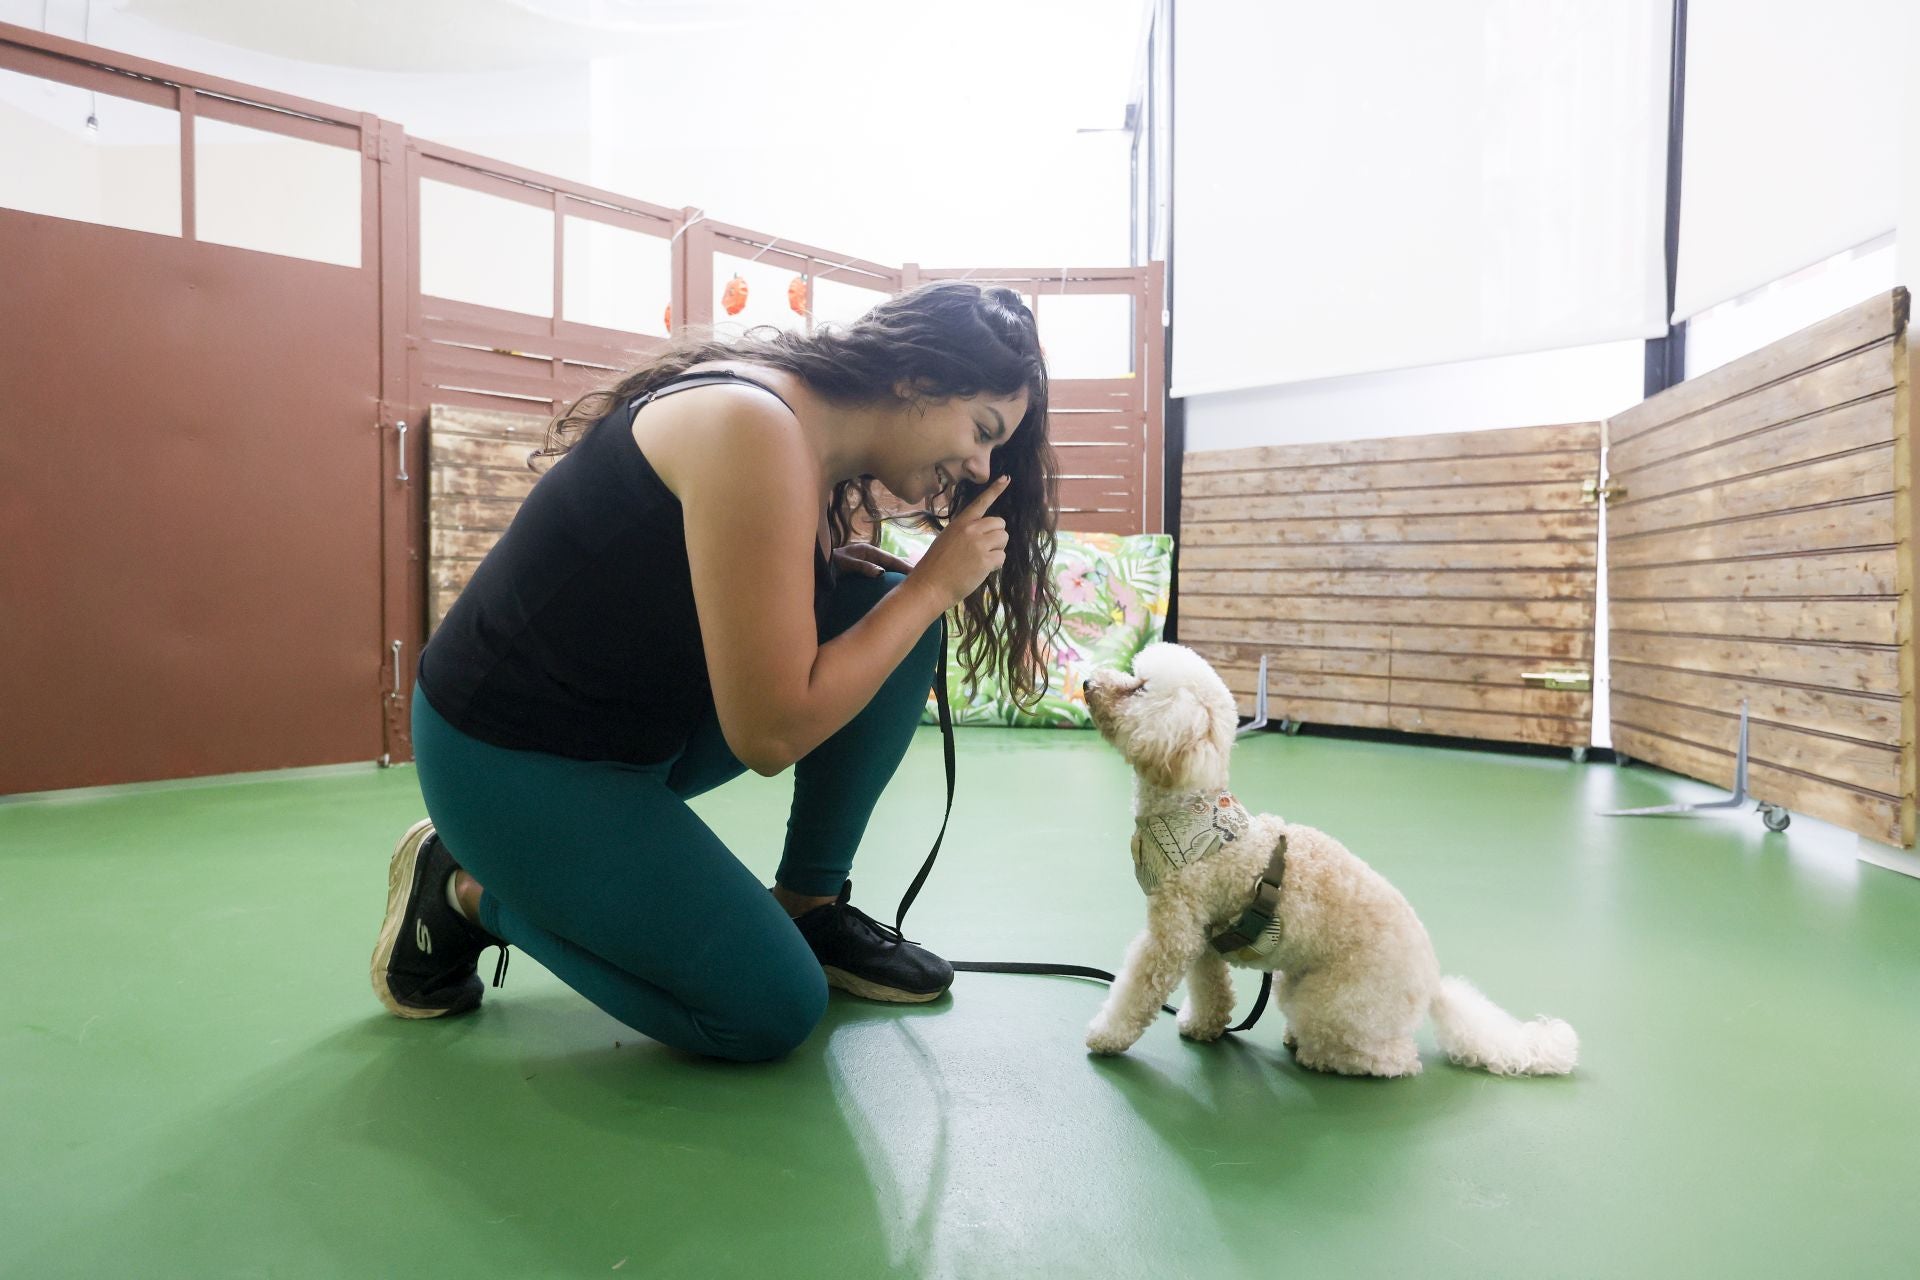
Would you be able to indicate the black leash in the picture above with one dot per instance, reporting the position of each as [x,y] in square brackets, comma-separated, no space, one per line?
[1012,966]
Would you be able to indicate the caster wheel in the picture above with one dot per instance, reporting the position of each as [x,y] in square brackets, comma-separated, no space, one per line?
[1290,727]
[1776,818]
[1622,759]
[1579,755]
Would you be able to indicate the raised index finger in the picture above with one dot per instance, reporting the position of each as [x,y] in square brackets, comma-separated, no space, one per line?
[978,507]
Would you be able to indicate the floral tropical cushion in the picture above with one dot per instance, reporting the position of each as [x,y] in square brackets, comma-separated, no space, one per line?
[1113,603]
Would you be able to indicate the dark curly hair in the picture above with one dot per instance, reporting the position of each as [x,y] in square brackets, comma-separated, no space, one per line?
[946,339]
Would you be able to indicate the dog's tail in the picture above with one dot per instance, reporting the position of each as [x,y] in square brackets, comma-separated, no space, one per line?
[1476,1032]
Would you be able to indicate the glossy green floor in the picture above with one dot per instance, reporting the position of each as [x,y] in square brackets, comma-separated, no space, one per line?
[196,1081]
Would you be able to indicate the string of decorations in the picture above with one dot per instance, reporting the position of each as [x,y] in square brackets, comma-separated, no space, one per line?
[733,297]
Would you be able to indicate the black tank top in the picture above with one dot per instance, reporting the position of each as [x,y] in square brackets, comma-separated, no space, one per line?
[577,634]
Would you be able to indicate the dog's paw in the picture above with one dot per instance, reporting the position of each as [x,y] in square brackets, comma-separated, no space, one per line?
[1105,1038]
[1204,1030]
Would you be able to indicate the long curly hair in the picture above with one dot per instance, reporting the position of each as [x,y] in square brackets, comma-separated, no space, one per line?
[946,339]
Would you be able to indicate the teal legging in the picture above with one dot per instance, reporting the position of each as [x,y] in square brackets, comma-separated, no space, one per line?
[601,872]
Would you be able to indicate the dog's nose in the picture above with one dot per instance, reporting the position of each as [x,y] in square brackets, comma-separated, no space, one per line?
[1086,687]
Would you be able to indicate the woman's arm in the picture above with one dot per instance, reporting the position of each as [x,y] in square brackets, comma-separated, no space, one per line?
[751,494]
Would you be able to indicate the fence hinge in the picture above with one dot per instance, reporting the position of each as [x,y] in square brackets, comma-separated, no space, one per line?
[376,143]
[1592,491]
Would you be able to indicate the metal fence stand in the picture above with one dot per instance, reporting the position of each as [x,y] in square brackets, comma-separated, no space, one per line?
[1259,720]
[1775,817]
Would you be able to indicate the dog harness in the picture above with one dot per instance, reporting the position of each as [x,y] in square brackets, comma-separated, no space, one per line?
[1203,824]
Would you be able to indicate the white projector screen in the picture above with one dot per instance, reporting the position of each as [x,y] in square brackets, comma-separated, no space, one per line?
[1382,184]
[1793,138]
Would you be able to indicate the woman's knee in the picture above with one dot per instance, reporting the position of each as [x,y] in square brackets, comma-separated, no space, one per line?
[776,1021]
[926,648]
[854,596]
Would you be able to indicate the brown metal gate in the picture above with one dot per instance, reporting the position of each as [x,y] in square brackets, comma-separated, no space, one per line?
[488,358]
[217,515]
[193,501]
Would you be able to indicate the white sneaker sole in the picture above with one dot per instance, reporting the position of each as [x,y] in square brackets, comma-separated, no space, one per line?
[874,991]
[406,855]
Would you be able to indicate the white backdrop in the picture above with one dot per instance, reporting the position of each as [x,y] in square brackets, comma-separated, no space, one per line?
[1390,183]
[1794,146]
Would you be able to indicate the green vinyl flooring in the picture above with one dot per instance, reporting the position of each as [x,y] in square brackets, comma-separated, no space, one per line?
[196,1081]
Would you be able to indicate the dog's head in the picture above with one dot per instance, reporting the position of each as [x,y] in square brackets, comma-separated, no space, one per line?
[1173,718]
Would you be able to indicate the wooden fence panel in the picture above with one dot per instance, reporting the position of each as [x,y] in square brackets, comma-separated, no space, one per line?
[1761,551]
[477,477]
[1408,583]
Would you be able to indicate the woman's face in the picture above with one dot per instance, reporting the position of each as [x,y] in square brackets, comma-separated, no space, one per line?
[944,441]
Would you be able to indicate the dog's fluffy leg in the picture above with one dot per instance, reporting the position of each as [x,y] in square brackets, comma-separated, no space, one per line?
[1155,963]
[1209,1006]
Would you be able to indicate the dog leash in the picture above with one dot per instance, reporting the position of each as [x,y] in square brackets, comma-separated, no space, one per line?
[926,868]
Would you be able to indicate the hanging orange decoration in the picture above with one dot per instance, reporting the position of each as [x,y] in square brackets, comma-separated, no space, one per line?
[800,294]
[666,318]
[734,296]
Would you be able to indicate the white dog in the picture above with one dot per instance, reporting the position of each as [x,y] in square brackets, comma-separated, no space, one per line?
[1353,967]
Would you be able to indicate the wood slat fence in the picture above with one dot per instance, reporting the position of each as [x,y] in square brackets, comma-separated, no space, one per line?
[1762,551]
[1759,548]
[1406,583]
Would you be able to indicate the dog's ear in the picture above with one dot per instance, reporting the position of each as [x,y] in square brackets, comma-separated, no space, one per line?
[1174,742]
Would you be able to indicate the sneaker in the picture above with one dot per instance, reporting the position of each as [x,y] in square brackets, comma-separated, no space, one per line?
[425,964]
[870,959]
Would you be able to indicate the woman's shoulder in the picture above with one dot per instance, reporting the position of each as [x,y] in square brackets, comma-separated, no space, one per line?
[700,437]
[777,388]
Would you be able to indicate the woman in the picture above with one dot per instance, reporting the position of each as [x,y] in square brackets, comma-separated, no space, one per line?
[678,600]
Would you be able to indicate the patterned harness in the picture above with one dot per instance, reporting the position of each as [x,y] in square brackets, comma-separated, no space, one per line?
[1203,824]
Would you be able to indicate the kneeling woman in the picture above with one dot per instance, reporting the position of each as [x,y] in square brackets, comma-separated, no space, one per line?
[678,600]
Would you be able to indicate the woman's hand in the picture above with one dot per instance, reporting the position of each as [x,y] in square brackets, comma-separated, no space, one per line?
[865,558]
[973,545]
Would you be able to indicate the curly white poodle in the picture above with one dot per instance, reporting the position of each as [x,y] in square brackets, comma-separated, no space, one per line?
[1354,971]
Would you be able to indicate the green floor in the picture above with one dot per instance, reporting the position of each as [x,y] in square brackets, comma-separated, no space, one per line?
[196,1081]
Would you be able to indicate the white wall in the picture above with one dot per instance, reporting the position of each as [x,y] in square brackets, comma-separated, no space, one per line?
[513,113]
[852,164]
[926,133]
[1747,323]
[1578,385]
[1907,268]
[124,174]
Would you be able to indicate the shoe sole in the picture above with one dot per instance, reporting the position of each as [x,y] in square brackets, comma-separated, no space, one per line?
[858,986]
[406,856]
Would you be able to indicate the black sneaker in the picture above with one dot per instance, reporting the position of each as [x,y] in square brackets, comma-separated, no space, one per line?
[425,964]
[870,959]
